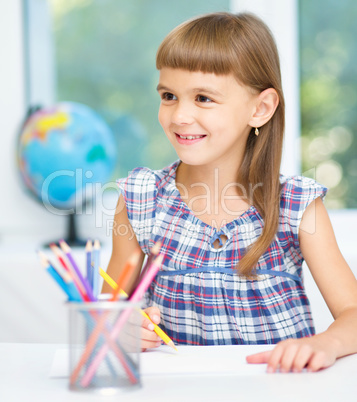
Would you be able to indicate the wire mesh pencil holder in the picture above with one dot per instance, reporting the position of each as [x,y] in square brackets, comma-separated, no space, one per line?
[105,346]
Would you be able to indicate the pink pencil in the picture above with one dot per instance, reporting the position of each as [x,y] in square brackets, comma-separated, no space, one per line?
[136,296]
[154,252]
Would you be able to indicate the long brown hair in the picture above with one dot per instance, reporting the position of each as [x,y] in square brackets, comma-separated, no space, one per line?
[242,45]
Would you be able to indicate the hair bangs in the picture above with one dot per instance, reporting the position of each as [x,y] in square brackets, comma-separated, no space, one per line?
[197,47]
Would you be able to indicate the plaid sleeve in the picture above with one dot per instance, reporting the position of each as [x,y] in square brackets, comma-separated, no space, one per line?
[139,190]
[297,193]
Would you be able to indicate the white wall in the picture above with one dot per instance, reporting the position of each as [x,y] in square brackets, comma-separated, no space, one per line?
[19,213]
[12,106]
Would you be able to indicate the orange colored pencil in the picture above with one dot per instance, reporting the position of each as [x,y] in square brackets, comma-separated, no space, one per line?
[124,276]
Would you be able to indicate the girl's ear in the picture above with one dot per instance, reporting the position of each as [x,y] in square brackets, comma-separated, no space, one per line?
[266,104]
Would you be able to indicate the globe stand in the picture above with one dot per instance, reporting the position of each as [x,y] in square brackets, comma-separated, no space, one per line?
[72,238]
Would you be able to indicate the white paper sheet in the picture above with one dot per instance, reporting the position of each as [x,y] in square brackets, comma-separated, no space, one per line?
[60,364]
[199,360]
[195,360]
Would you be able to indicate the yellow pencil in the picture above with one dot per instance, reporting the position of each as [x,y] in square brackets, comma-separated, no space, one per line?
[111,282]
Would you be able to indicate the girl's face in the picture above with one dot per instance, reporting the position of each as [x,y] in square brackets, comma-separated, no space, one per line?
[205,116]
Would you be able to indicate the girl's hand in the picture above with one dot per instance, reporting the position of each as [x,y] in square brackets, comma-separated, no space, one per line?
[149,338]
[296,354]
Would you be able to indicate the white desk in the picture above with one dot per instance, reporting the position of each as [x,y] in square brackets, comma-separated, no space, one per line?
[25,368]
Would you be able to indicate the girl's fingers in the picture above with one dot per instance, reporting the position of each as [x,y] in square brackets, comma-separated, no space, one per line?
[149,345]
[146,346]
[154,314]
[293,355]
[148,335]
[302,358]
[319,361]
[147,324]
[149,339]
[275,358]
[288,357]
[271,357]
[258,358]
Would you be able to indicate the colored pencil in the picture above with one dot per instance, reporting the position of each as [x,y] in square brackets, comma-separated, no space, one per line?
[136,296]
[67,250]
[147,279]
[124,276]
[52,271]
[74,295]
[92,340]
[111,282]
[57,266]
[64,279]
[61,258]
[95,273]
[67,265]
[67,275]
[154,252]
[89,270]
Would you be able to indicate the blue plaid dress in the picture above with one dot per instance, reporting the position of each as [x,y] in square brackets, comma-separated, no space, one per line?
[201,298]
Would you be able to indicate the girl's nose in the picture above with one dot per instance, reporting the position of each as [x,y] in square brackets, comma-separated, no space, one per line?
[182,114]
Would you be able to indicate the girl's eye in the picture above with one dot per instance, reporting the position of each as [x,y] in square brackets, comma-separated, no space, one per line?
[203,99]
[167,96]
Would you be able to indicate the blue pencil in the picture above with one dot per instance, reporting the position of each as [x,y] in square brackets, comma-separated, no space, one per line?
[95,270]
[89,262]
[55,275]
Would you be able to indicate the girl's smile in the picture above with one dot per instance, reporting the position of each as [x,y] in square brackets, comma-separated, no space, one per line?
[189,139]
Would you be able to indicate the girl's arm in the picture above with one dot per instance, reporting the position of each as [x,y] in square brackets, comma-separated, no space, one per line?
[124,244]
[338,287]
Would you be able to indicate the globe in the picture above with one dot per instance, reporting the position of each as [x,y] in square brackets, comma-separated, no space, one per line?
[64,153]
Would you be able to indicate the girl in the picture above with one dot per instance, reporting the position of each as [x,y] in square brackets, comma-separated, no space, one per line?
[234,232]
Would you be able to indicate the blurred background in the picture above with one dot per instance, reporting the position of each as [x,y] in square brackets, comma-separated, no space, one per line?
[328,87]
[101,53]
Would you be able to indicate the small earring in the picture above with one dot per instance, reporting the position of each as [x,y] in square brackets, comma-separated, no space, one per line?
[256,131]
